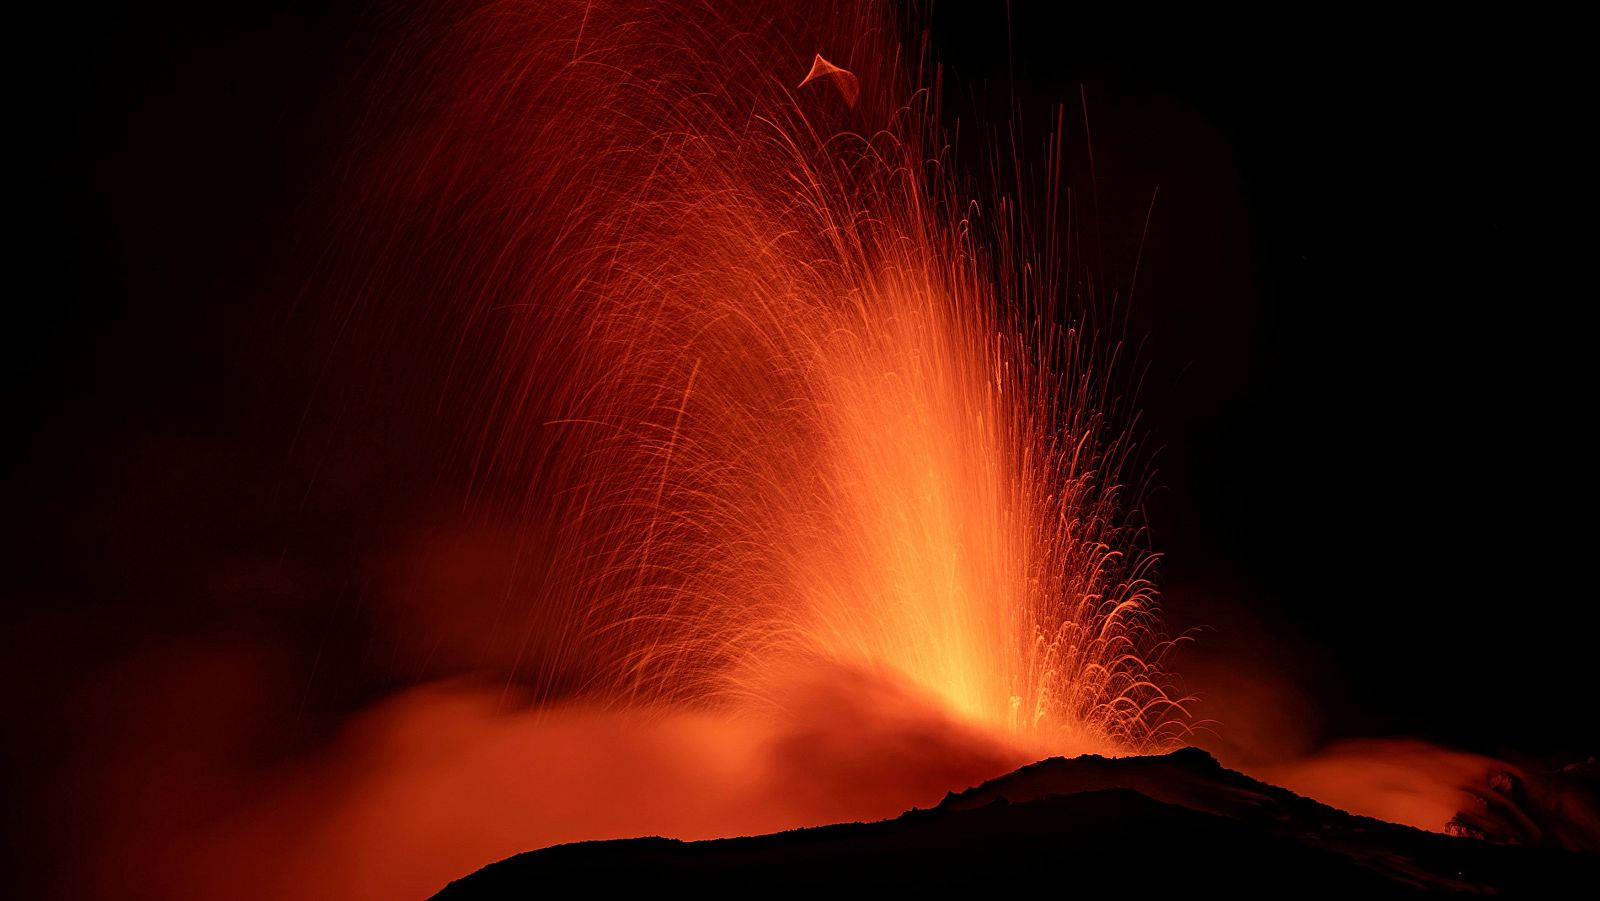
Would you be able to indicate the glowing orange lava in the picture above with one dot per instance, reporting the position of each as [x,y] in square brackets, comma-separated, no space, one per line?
[813,456]
[784,394]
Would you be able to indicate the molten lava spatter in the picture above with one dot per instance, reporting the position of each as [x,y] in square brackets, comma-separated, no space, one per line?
[818,483]
[784,395]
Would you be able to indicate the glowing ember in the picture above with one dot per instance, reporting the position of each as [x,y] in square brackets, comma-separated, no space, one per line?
[849,86]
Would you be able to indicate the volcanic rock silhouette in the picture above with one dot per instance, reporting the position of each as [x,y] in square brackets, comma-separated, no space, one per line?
[1176,822]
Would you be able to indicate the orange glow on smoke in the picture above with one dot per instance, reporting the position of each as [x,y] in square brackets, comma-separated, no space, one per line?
[438,782]
[1410,782]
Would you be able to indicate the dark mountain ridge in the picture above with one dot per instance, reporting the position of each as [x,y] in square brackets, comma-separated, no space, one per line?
[1174,822]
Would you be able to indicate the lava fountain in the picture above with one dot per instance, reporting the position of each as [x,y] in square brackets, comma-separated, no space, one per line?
[816,456]
[785,395]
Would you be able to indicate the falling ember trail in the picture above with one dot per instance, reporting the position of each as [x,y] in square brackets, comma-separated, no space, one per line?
[849,86]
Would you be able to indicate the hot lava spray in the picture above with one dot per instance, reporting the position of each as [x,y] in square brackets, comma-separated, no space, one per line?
[781,393]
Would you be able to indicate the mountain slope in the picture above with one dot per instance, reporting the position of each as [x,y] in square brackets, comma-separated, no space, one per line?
[1178,822]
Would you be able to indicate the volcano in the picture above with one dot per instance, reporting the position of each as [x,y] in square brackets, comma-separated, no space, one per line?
[459,429]
[1179,822]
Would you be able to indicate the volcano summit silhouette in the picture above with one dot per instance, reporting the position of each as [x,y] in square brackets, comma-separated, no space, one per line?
[1178,822]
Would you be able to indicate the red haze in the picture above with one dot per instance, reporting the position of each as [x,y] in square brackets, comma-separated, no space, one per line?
[436,782]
